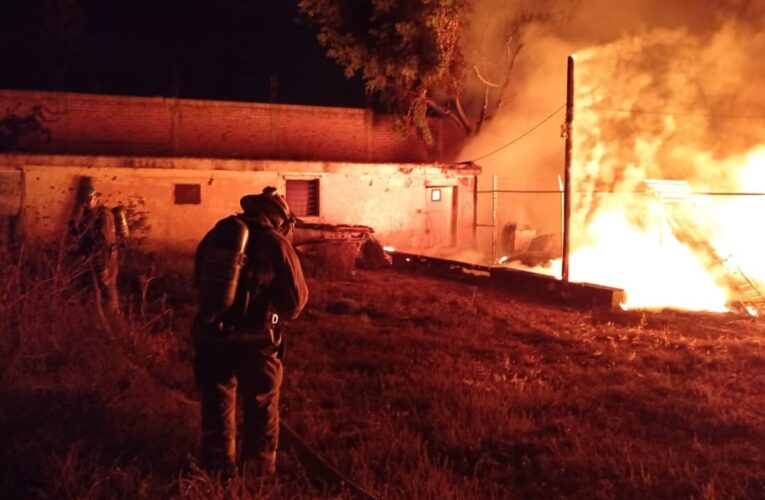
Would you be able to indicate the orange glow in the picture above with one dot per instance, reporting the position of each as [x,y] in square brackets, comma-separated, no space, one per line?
[696,252]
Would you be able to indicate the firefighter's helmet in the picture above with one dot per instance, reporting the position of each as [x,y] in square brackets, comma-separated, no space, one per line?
[88,192]
[268,202]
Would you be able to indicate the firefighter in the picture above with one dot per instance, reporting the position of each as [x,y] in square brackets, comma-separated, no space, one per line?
[95,244]
[249,280]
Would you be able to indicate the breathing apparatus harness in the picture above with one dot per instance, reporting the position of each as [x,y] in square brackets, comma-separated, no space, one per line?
[221,262]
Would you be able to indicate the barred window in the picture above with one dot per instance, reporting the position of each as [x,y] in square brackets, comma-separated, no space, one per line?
[303,196]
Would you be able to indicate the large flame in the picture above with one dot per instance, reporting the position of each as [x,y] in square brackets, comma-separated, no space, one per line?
[668,105]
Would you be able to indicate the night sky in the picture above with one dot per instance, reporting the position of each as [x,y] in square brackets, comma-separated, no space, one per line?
[244,50]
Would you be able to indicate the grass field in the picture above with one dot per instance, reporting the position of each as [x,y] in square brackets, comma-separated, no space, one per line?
[412,386]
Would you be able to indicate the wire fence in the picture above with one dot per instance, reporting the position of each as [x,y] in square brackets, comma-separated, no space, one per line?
[525,226]
[520,227]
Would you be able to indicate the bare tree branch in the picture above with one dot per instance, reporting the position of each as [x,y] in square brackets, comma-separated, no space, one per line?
[462,115]
[513,50]
[483,80]
[484,109]
[460,118]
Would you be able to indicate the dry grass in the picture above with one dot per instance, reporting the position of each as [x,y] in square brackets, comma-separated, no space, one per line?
[413,386]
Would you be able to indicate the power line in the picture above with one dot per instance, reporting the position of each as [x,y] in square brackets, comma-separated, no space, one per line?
[615,110]
[672,113]
[517,138]
[559,191]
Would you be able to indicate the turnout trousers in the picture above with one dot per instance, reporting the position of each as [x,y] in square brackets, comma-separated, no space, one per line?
[231,374]
[105,284]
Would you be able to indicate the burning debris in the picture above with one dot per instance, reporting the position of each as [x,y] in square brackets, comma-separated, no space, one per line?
[691,225]
[523,244]
[669,105]
[661,91]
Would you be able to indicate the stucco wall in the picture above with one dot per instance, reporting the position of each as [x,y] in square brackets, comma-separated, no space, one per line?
[391,198]
[107,124]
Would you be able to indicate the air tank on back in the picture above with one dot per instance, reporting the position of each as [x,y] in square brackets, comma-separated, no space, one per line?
[120,223]
[221,265]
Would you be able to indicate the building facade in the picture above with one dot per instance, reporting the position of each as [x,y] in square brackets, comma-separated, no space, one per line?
[172,202]
[178,166]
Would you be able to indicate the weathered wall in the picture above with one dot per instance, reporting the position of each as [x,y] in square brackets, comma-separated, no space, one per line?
[157,126]
[389,197]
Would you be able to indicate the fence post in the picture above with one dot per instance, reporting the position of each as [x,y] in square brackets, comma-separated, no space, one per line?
[494,195]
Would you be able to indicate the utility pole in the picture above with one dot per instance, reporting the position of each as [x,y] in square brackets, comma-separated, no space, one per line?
[567,169]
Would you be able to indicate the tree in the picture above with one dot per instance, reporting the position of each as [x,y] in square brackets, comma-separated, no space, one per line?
[421,57]
[23,132]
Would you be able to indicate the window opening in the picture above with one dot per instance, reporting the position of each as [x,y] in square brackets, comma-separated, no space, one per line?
[303,197]
[188,194]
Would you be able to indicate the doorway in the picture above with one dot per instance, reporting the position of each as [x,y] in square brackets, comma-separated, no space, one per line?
[441,223]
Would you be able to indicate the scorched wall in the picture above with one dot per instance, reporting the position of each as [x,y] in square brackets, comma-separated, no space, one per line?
[392,198]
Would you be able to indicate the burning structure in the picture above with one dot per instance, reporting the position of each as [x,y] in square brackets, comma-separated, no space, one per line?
[667,154]
[670,106]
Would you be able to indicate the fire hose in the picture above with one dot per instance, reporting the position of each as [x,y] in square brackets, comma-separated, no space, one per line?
[319,469]
[322,470]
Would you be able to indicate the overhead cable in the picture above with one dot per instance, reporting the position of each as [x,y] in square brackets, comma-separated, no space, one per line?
[517,138]
[615,110]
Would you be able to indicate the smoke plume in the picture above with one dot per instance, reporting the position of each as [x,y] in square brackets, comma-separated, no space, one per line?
[664,89]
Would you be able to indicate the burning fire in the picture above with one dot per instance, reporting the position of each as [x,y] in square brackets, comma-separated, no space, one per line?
[669,105]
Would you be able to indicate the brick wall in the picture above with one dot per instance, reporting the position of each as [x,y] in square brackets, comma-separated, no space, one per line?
[105,124]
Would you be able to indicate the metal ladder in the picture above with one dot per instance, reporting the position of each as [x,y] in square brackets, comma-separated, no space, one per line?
[683,216]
